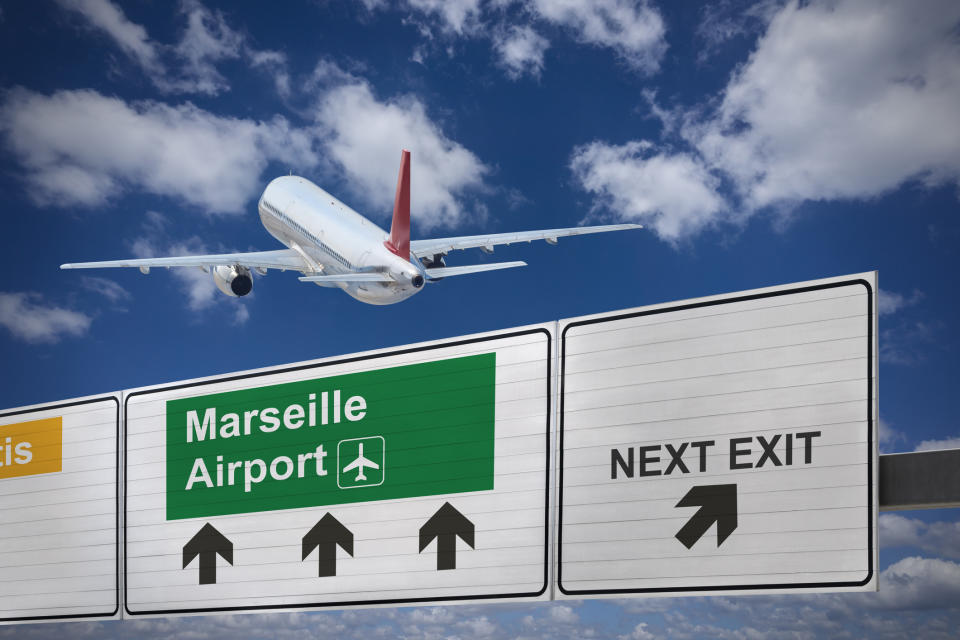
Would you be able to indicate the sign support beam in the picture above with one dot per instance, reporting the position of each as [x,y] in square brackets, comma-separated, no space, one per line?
[920,480]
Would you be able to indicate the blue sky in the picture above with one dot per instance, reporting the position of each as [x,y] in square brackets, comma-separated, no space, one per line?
[761,143]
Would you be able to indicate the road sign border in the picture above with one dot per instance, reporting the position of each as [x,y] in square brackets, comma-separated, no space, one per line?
[346,360]
[116,498]
[709,303]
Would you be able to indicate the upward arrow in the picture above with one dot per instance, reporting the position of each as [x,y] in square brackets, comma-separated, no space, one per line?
[325,536]
[718,503]
[446,525]
[207,543]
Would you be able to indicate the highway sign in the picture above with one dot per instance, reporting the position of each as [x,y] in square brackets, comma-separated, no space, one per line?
[60,503]
[416,474]
[720,445]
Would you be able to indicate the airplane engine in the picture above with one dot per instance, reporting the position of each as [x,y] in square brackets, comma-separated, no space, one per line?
[235,281]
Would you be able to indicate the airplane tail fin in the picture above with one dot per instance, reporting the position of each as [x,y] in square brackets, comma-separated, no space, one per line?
[399,242]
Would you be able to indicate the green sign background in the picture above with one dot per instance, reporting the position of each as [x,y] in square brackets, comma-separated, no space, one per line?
[436,418]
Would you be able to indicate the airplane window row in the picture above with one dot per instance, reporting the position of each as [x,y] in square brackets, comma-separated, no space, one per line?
[336,256]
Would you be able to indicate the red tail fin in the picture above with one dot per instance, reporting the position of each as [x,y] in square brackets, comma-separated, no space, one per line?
[399,242]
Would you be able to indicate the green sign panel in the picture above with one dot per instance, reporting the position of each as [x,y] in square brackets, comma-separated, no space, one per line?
[402,432]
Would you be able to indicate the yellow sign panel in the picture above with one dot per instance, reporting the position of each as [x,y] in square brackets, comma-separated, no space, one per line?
[30,448]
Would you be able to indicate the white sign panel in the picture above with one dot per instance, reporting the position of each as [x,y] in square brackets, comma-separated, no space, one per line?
[59,499]
[417,474]
[721,445]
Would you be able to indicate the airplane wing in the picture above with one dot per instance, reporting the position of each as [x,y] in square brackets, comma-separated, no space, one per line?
[423,248]
[353,465]
[282,259]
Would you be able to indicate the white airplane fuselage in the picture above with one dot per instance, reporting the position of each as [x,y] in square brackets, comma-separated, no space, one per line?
[337,239]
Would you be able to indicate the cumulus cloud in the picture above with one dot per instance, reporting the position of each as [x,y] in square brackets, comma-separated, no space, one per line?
[30,318]
[919,583]
[674,194]
[520,50]
[935,445]
[84,148]
[842,100]
[363,136]
[640,633]
[206,41]
[189,65]
[845,99]
[563,614]
[634,30]
[942,538]
[478,627]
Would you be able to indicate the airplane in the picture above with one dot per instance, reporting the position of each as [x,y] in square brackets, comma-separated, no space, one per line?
[360,463]
[334,246]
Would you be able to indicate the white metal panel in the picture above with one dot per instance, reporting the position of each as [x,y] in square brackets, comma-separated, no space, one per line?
[509,559]
[59,539]
[727,370]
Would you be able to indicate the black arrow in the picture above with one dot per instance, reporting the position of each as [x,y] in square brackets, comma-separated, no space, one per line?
[325,536]
[446,525]
[207,543]
[718,503]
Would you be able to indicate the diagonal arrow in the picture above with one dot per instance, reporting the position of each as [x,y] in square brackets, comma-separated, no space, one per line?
[325,536]
[718,503]
[446,525]
[207,543]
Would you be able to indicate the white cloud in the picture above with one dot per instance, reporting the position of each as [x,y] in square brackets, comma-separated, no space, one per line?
[918,583]
[907,343]
[941,538]
[563,614]
[934,445]
[478,627]
[364,136]
[275,64]
[197,285]
[889,302]
[190,65]
[674,194]
[635,30]
[105,287]
[726,20]
[632,29]
[455,15]
[640,632]
[845,99]
[132,38]
[28,317]
[84,148]
[842,100]
[432,615]
[887,435]
[206,41]
[520,51]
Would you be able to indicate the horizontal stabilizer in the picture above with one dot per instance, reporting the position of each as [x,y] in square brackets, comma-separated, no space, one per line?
[446,272]
[348,277]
